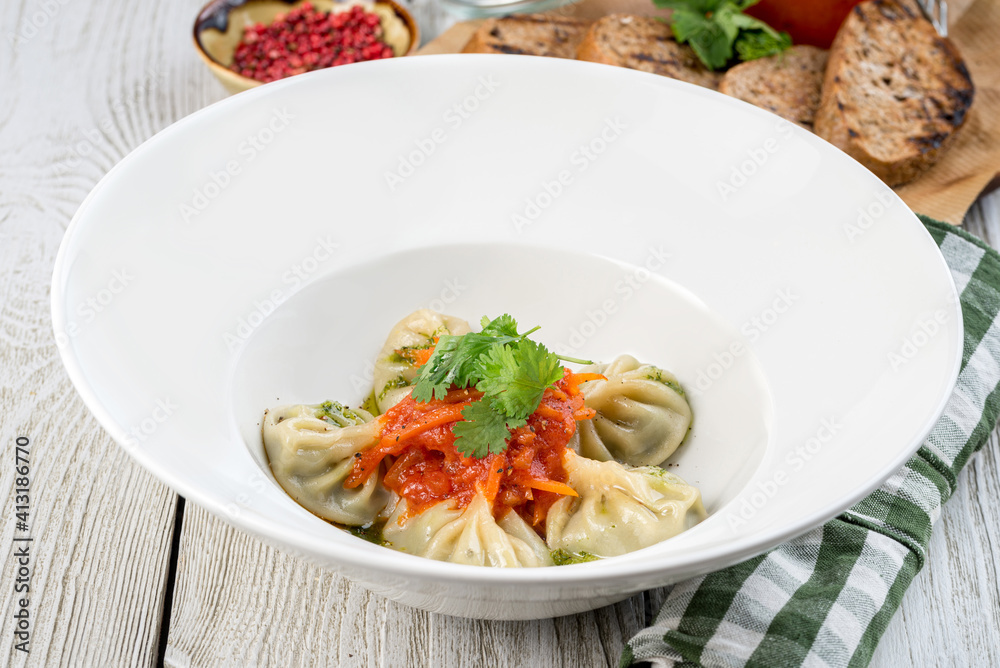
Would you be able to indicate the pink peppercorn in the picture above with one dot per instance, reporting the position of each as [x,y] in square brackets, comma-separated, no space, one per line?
[305,39]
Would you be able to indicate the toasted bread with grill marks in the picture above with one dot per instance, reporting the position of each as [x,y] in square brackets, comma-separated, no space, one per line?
[788,83]
[643,43]
[894,93]
[530,35]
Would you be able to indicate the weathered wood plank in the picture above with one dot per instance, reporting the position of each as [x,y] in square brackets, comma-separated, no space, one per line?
[239,602]
[81,84]
[100,525]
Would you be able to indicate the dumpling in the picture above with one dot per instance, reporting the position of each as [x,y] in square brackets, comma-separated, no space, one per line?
[620,509]
[470,536]
[394,371]
[311,450]
[642,415]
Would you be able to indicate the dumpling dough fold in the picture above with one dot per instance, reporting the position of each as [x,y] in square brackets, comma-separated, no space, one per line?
[620,509]
[470,536]
[311,450]
[642,414]
[394,372]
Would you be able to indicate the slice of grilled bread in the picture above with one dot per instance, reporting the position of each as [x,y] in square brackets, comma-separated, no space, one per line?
[530,35]
[643,43]
[895,92]
[788,83]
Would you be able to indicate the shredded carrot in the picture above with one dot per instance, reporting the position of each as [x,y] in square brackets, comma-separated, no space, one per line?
[421,357]
[443,415]
[455,396]
[549,412]
[540,508]
[558,394]
[395,441]
[574,380]
[553,486]
[405,461]
[418,356]
[496,464]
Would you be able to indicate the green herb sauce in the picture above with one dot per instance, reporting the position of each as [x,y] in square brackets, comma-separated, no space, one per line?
[653,373]
[393,384]
[370,404]
[371,533]
[338,414]
[563,557]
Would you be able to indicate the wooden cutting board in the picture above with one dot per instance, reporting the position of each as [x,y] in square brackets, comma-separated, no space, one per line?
[968,169]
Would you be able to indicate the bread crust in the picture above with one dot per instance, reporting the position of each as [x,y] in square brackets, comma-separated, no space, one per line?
[643,43]
[529,34]
[895,93]
[788,84]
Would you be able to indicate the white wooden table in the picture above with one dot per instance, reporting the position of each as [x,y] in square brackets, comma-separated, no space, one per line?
[124,573]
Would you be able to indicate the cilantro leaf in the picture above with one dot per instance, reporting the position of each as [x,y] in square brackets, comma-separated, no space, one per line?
[714,28]
[455,361]
[756,44]
[437,375]
[515,377]
[505,325]
[706,36]
[510,370]
[484,431]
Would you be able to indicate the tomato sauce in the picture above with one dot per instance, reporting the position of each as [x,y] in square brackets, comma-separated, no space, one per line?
[423,466]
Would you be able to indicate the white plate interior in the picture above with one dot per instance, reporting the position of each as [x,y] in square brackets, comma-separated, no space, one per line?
[307,351]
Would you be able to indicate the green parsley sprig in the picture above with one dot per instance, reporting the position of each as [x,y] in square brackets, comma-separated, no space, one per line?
[714,28]
[510,370]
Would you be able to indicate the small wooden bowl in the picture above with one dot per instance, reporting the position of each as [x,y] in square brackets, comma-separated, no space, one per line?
[219,28]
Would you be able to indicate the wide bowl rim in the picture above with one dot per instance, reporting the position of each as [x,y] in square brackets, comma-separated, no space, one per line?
[399,564]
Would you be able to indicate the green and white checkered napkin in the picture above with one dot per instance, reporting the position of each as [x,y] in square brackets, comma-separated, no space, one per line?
[825,598]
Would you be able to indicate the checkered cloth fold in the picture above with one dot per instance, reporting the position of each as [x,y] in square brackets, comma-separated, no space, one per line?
[825,598]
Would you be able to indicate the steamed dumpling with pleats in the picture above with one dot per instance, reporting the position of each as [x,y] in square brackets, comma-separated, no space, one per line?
[642,413]
[467,536]
[395,366]
[620,509]
[311,450]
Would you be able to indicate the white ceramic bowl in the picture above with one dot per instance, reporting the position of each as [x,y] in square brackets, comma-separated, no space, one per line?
[258,251]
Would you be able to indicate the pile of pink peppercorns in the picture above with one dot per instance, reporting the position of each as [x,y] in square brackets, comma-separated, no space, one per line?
[305,39]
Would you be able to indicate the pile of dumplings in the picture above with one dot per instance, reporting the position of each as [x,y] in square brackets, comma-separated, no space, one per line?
[625,501]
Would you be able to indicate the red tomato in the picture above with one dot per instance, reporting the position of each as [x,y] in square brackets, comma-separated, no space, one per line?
[808,21]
